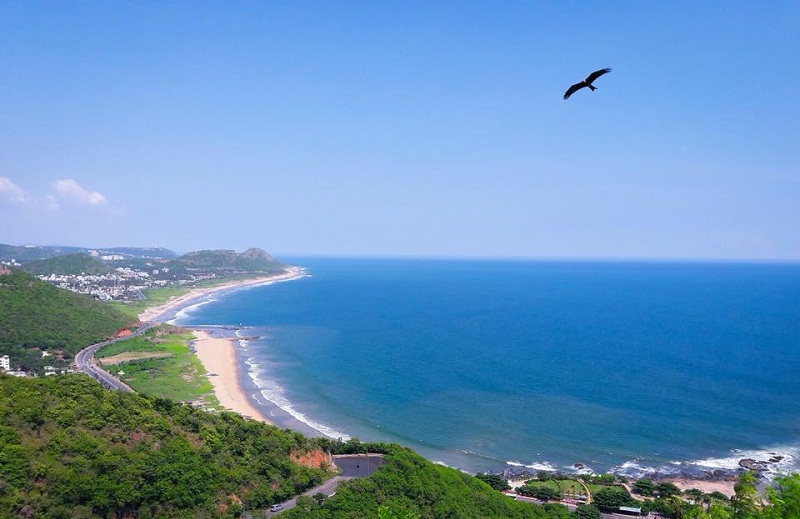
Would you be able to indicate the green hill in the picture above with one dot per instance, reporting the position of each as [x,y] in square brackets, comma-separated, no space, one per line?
[407,486]
[35,316]
[251,260]
[70,264]
[25,253]
[69,448]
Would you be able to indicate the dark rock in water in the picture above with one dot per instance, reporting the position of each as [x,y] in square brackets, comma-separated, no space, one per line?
[775,459]
[751,464]
[579,466]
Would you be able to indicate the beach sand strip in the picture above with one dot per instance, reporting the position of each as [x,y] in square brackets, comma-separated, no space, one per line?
[218,356]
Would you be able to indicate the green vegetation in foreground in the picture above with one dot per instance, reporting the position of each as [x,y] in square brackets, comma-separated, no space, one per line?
[36,317]
[69,448]
[174,372]
[409,486]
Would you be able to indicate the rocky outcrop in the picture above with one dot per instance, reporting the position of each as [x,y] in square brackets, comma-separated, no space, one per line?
[751,464]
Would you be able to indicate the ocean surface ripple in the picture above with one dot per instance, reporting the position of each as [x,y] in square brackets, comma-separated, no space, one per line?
[632,367]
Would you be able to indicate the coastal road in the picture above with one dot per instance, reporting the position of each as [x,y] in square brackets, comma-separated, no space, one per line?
[350,466]
[85,362]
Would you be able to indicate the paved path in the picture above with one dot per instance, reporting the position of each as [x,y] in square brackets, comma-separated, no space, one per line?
[350,466]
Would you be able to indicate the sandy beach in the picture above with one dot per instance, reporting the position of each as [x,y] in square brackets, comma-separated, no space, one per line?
[154,313]
[707,486]
[218,356]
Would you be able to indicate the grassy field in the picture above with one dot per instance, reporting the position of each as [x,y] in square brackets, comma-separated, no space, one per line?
[174,373]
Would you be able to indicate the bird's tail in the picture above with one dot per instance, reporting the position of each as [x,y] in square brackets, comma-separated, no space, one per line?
[592,87]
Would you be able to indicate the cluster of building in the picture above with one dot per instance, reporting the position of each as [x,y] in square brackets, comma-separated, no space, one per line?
[5,367]
[123,284]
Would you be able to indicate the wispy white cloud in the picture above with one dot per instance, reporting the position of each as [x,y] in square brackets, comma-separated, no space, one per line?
[64,192]
[68,189]
[10,191]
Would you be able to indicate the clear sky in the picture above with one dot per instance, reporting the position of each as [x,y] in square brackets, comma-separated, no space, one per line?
[403,128]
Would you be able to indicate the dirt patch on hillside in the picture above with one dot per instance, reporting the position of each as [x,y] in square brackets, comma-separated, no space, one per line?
[316,459]
[133,355]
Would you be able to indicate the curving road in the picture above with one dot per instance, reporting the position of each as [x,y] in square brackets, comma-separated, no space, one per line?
[84,361]
[350,466]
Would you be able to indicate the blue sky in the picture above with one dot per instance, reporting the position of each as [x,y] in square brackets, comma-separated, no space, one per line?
[404,128]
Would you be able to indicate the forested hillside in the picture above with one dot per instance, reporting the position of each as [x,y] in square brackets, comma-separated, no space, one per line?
[409,486]
[70,264]
[69,448]
[251,260]
[36,317]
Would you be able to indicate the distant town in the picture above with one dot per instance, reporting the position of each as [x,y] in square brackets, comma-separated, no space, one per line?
[121,274]
[124,274]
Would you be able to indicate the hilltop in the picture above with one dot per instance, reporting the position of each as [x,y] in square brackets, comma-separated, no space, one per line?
[251,260]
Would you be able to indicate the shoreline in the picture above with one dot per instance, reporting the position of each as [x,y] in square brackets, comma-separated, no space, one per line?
[218,356]
[218,353]
[175,304]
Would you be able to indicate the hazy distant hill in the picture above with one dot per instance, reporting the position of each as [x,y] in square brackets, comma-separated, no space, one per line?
[36,316]
[251,260]
[74,264]
[140,252]
[25,253]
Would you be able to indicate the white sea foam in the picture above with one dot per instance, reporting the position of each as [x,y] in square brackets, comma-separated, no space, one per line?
[183,313]
[276,395]
[788,456]
[544,466]
[586,470]
[244,343]
[789,460]
[635,469]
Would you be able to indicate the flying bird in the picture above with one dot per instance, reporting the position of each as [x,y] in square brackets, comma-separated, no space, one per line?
[586,82]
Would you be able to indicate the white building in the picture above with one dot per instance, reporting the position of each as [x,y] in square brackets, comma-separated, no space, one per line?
[5,363]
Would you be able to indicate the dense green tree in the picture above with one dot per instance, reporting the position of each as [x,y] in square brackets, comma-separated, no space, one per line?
[587,512]
[494,481]
[784,498]
[719,496]
[610,498]
[745,500]
[36,317]
[667,489]
[408,484]
[126,455]
[644,487]
[556,511]
[543,492]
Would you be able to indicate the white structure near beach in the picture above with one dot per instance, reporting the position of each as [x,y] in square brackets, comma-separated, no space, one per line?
[5,363]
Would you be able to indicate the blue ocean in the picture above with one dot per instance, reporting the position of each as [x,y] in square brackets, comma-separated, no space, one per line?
[629,367]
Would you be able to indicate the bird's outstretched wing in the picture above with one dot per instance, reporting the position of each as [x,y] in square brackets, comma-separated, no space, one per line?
[596,74]
[574,88]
